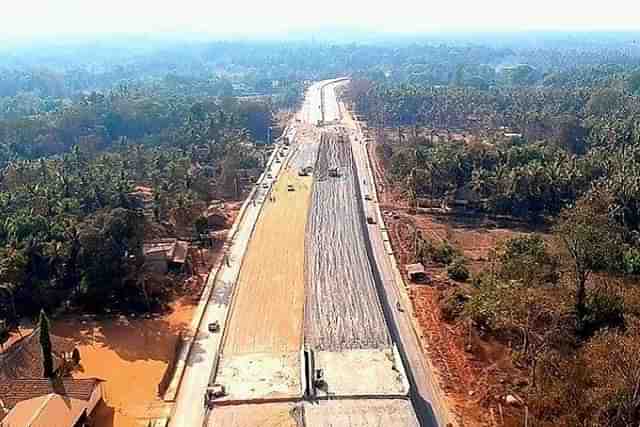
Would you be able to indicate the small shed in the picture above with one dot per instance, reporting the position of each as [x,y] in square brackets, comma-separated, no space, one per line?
[416,272]
[162,255]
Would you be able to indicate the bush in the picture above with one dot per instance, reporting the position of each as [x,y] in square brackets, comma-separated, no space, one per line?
[525,258]
[631,261]
[604,309]
[452,304]
[458,271]
[444,253]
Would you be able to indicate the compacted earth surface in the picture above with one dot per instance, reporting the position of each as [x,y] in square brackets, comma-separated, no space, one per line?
[132,355]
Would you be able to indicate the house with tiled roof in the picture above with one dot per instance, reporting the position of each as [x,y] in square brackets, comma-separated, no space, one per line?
[27,399]
[43,402]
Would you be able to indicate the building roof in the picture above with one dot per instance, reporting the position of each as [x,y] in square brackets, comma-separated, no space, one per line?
[15,391]
[415,269]
[46,403]
[24,358]
[172,249]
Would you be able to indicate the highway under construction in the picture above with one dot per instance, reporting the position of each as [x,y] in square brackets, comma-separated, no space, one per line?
[308,335]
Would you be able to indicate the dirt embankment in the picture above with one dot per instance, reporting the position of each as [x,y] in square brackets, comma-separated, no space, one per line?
[471,368]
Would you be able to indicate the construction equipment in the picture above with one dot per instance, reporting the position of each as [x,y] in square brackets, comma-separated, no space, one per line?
[214,326]
[213,392]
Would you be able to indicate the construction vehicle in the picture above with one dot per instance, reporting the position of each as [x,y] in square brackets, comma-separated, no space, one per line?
[213,392]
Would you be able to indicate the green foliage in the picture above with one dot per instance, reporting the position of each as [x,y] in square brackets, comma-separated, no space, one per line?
[525,258]
[45,344]
[457,270]
[592,239]
[452,304]
[444,253]
[604,308]
[631,260]
[69,232]
[634,82]
[484,305]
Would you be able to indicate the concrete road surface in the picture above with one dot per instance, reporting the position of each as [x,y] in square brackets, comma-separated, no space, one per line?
[427,397]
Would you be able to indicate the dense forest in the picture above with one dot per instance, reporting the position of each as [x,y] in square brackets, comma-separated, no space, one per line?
[73,147]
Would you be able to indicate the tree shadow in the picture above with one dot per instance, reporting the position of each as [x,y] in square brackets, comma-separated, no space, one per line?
[132,339]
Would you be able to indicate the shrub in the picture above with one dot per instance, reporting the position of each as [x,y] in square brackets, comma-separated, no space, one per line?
[452,304]
[604,309]
[458,271]
[445,253]
[631,261]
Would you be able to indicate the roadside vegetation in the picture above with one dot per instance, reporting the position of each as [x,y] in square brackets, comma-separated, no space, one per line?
[71,234]
[555,146]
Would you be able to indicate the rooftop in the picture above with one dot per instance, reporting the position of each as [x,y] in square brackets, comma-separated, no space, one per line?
[24,358]
[17,390]
[46,403]
[415,269]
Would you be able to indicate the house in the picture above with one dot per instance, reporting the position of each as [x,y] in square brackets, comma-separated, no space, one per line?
[142,199]
[416,272]
[27,399]
[216,217]
[162,255]
[43,402]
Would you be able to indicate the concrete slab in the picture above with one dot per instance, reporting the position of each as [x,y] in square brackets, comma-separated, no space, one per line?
[360,413]
[368,373]
[262,415]
[260,376]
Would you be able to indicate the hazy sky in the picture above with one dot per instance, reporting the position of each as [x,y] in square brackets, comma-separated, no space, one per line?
[51,17]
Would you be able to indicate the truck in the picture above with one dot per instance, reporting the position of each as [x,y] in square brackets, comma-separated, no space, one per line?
[334,172]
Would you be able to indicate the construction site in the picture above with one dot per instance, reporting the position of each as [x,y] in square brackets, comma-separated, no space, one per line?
[305,340]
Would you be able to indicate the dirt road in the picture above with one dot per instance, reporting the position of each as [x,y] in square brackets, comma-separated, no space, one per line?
[268,308]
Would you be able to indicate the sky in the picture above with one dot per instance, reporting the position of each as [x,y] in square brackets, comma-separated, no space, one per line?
[50,18]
